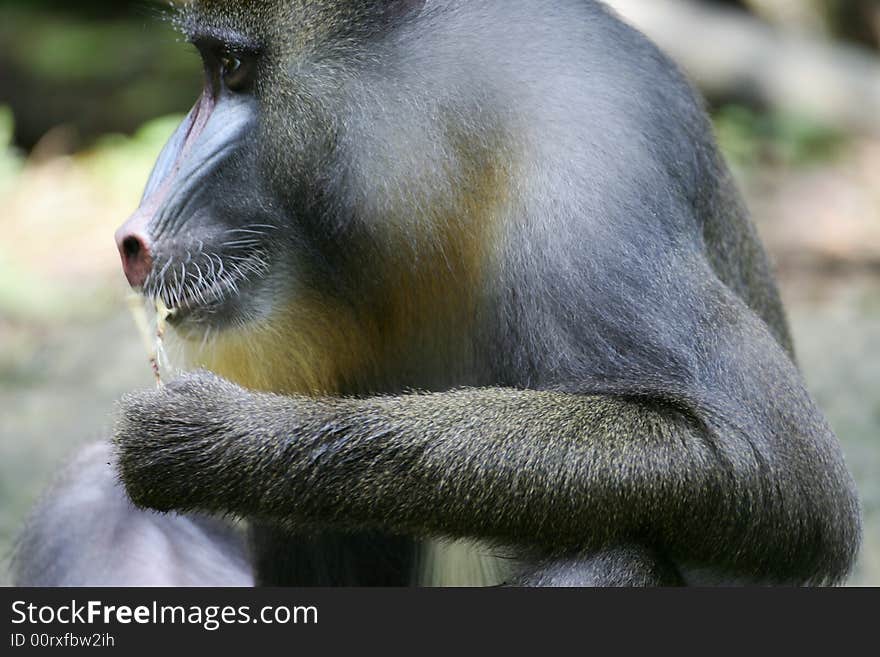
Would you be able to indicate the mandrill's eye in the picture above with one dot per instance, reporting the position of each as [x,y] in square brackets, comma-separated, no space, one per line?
[234,72]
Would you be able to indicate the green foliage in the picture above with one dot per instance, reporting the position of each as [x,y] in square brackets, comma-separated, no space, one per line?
[57,48]
[98,70]
[749,138]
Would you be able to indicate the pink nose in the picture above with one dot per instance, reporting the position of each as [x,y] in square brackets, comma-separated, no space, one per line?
[137,260]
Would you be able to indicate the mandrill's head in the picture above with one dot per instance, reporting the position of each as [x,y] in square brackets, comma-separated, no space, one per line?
[317,222]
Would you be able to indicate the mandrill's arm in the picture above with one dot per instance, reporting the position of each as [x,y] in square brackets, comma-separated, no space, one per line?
[556,472]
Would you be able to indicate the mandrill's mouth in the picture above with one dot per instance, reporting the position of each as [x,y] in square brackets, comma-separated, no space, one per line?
[204,288]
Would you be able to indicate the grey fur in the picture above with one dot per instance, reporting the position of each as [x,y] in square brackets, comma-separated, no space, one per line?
[85,532]
[620,403]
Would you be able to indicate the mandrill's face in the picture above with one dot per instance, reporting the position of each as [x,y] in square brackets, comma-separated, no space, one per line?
[251,206]
[277,224]
[206,234]
[228,233]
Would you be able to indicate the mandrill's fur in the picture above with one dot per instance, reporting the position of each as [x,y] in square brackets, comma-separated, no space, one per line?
[471,270]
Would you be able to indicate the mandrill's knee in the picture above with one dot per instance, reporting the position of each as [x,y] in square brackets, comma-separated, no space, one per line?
[618,566]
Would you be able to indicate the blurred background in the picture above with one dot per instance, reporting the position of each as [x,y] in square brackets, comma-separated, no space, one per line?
[89,91]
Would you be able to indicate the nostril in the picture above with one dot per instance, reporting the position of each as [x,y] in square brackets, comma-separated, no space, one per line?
[137,261]
[132,247]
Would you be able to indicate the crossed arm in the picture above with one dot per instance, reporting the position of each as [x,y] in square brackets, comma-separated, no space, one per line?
[555,472]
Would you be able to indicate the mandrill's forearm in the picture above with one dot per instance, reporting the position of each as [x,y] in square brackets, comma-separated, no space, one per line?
[515,466]
[543,469]
[547,471]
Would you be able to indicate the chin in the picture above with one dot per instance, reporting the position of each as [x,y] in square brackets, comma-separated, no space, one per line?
[301,347]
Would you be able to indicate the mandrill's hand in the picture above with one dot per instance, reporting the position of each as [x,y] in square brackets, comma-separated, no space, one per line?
[178,445]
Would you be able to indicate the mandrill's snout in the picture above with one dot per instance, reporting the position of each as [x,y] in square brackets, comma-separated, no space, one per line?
[192,172]
[201,234]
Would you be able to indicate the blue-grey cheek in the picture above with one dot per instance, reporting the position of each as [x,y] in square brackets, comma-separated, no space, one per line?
[169,156]
[230,124]
[200,176]
[182,163]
